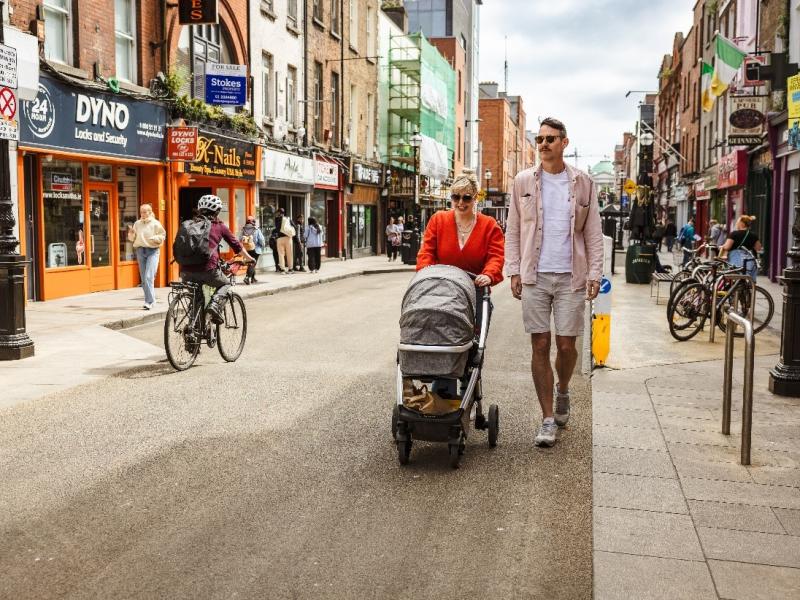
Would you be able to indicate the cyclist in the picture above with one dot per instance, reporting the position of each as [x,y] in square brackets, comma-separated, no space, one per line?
[211,274]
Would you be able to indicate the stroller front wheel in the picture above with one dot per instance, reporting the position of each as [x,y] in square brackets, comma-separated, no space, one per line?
[404,451]
[493,425]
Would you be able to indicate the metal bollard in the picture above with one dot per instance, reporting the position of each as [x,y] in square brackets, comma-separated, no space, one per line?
[734,320]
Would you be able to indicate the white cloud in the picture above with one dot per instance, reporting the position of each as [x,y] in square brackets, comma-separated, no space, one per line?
[575,59]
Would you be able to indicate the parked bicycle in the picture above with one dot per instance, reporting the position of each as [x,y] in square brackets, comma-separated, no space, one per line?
[690,307]
[188,324]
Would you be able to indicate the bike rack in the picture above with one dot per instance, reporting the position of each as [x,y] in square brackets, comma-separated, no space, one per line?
[715,280]
[734,319]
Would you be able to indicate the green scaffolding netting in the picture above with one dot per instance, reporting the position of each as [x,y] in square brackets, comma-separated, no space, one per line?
[437,96]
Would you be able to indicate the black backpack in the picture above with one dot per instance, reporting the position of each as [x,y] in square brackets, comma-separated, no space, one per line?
[191,245]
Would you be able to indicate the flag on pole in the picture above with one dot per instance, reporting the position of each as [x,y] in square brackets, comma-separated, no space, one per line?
[727,60]
[706,73]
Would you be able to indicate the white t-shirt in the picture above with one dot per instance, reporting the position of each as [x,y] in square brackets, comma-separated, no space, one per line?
[556,254]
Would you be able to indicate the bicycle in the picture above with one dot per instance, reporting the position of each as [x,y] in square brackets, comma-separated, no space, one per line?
[691,306]
[188,324]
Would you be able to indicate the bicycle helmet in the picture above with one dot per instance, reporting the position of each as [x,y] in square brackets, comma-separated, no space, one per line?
[209,202]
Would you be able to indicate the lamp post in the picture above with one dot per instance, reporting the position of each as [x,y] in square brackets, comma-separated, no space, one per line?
[784,378]
[488,176]
[416,142]
[14,341]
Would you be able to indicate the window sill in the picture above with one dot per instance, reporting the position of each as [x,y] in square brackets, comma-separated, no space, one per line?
[268,13]
[293,30]
[335,34]
[69,70]
[353,49]
[319,24]
[268,121]
[372,59]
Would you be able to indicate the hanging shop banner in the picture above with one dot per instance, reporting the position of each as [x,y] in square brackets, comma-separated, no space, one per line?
[62,117]
[195,12]
[732,169]
[365,173]
[219,156]
[181,143]
[747,120]
[226,85]
[793,104]
[326,174]
[287,167]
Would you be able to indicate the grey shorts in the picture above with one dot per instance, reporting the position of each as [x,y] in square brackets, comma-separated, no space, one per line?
[552,293]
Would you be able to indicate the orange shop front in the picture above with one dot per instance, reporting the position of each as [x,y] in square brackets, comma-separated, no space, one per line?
[224,166]
[86,161]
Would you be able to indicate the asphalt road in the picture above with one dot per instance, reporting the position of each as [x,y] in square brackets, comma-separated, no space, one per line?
[276,477]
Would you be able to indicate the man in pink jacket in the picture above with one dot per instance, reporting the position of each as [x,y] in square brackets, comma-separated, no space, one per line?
[554,256]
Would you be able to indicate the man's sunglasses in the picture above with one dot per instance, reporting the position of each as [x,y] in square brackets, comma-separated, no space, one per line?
[547,138]
[464,197]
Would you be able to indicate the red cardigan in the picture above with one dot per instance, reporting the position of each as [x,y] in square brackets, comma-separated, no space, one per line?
[483,253]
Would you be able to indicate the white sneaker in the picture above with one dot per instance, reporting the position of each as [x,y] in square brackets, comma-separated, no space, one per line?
[547,434]
[147,306]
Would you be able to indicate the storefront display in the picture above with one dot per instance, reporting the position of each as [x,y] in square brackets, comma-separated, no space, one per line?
[88,160]
[363,208]
[325,201]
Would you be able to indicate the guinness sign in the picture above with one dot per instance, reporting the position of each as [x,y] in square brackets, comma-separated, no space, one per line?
[196,12]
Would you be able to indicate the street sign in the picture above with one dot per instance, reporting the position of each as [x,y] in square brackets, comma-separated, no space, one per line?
[630,187]
[8,66]
[182,143]
[605,285]
[226,84]
[747,120]
[195,12]
[9,129]
[793,102]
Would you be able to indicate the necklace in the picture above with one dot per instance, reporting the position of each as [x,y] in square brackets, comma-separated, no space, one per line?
[463,232]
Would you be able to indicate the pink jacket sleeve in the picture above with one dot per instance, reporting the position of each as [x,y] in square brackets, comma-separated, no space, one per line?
[512,252]
[593,239]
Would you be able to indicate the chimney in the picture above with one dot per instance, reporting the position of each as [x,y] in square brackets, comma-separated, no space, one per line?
[489,89]
[396,11]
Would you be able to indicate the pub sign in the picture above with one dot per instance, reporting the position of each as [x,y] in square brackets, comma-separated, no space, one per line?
[196,12]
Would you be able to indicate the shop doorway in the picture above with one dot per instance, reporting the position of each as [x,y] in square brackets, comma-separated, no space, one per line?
[100,242]
[361,231]
[187,201]
[332,241]
[32,216]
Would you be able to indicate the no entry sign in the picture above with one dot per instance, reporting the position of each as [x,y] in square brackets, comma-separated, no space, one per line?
[8,112]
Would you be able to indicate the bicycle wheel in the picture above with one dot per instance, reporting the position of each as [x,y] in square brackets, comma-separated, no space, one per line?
[689,312]
[762,314]
[231,334]
[678,288]
[181,340]
[679,278]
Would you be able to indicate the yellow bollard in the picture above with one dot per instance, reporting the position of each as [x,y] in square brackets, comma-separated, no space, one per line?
[601,324]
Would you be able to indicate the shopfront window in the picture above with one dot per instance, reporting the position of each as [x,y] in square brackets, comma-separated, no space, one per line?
[102,173]
[127,207]
[224,214]
[99,228]
[64,218]
[241,210]
[318,208]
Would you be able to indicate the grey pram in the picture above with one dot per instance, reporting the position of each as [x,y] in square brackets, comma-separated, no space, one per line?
[439,346]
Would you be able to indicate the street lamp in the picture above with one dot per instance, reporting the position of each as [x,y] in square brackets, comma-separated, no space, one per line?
[416,142]
[784,378]
[488,176]
[14,341]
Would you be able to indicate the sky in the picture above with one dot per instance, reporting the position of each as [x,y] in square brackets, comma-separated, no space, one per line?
[576,59]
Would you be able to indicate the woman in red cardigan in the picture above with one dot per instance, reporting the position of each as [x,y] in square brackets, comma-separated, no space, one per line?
[463,237]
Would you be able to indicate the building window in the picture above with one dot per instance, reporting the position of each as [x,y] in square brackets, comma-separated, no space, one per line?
[335,100]
[316,11]
[208,46]
[319,103]
[291,96]
[352,125]
[125,33]
[267,78]
[335,24]
[291,12]
[353,32]
[370,31]
[268,6]
[57,26]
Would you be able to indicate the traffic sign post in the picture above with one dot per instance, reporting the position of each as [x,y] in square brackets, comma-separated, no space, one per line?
[14,341]
[630,187]
[9,129]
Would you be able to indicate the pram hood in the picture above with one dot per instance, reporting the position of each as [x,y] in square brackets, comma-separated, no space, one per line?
[439,308]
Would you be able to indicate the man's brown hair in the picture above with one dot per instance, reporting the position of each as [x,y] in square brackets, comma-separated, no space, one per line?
[555,124]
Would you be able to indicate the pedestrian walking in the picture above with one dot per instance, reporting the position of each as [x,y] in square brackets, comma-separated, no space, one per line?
[554,255]
[314,240]
[716,233]
[670,231]
[741,246]
[147,235]
[658,235]
[283,242]
[298,243]
[409,225]
[686,240]
[252,240]
[394,237]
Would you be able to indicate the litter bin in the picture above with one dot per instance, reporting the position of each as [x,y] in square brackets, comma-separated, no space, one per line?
[639,263]
[409,247]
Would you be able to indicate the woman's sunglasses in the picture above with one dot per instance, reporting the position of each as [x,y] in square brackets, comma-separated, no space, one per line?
[464,197]
[547,138]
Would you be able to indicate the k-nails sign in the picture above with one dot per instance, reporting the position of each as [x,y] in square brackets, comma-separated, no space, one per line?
[194,12]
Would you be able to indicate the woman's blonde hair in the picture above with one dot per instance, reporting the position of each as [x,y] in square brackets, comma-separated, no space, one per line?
[746,220]
[465,181]
[146,205]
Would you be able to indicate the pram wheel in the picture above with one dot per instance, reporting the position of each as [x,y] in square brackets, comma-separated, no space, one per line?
[404,451]
[456,450]
[395,418]
[494,425]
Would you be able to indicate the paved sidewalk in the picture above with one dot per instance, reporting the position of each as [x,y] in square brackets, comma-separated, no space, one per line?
[675,514]
[76,338]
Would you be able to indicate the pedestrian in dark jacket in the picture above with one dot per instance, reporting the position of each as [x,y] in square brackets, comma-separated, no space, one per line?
[670,231]
[299,243]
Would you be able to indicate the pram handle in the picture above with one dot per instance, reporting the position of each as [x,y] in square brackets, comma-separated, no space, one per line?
[487,289]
